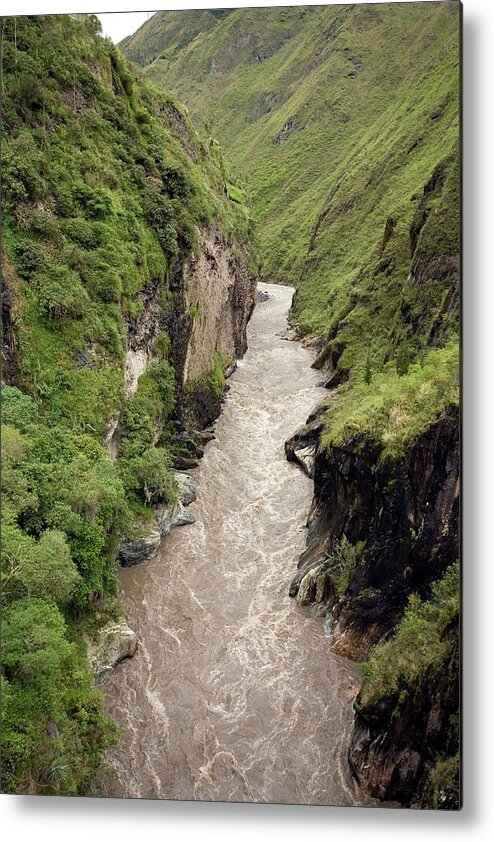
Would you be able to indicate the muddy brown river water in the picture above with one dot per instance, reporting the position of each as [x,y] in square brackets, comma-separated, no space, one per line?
[234,694]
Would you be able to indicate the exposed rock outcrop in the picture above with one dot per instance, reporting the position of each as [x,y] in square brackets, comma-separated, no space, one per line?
[220,293]
[301,448]
[395,743]
[213,295]
[187,487]
[380,529]
[143,543]
[115,642]
[402,514]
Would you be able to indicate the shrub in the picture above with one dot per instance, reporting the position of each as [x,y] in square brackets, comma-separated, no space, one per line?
[81,231]
[403,359]
[53,730]
[154,477]
[160,215]
[161,345]
[20,174]
[177,185]
[164,376]
[137,425]
[95,202]
[419,641]
[18,409]
[60,293]
[346,559]
[29,258]
[45,225]
[442,788]
[27,92]
[43,568]
[102,281]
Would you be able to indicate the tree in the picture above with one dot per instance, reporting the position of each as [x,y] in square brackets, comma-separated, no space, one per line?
[18,408]
[403,359]
[154,476]
[35,648]
[41,568]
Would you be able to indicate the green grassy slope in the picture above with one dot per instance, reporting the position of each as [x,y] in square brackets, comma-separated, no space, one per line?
[104,182]
[168,33]
[343,123]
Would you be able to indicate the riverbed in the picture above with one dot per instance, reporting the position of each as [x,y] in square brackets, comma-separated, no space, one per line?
[234,693]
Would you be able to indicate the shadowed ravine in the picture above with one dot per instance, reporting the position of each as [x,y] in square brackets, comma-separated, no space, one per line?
[234,694]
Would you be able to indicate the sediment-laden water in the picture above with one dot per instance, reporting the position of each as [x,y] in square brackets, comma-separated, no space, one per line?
[234,694]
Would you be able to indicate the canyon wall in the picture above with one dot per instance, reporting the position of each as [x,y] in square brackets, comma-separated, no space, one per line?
[382,531]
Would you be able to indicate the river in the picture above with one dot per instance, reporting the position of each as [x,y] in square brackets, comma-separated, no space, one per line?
[234,694]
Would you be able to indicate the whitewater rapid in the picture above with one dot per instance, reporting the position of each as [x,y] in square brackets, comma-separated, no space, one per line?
[234,694]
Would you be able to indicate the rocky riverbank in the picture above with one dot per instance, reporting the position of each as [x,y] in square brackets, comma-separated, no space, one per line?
[380,530]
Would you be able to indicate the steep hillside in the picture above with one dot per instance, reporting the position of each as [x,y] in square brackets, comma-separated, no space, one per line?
[168,33]
[343,122]
[126,294]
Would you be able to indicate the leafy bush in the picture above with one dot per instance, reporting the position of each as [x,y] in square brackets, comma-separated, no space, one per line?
[42,568]
[80,231]
[60,293]
[154,477]
[177,185]
[18,408]
[138,432]
[403,359]
[21,180]
[35,646]
[53,729]
[163,375]
[29,258]
[160,215]
[27,91]
[442,788]
[95,202]
[346,558]
[418,643]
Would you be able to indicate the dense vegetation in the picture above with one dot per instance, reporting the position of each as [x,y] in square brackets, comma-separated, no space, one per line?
[424,651]
[104,184]
[343,122]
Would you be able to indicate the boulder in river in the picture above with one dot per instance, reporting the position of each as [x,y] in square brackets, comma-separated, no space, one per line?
[167,517]
[143,543]
[187,487]
[142,547]
[115,642]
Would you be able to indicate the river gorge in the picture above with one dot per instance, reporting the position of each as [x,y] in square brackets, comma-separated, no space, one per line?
[234,693]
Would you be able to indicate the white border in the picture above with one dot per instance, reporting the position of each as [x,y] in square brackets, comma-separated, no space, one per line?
[53,819]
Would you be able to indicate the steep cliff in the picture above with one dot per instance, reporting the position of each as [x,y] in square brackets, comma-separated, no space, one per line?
[310,103]
[344,122]
[383,536]
[127,286]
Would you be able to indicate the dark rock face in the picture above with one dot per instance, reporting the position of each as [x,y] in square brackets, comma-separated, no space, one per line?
[301,448]
[405,510]
[395,744]
[403,516]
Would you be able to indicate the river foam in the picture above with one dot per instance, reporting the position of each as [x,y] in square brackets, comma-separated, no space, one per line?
[234,693]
